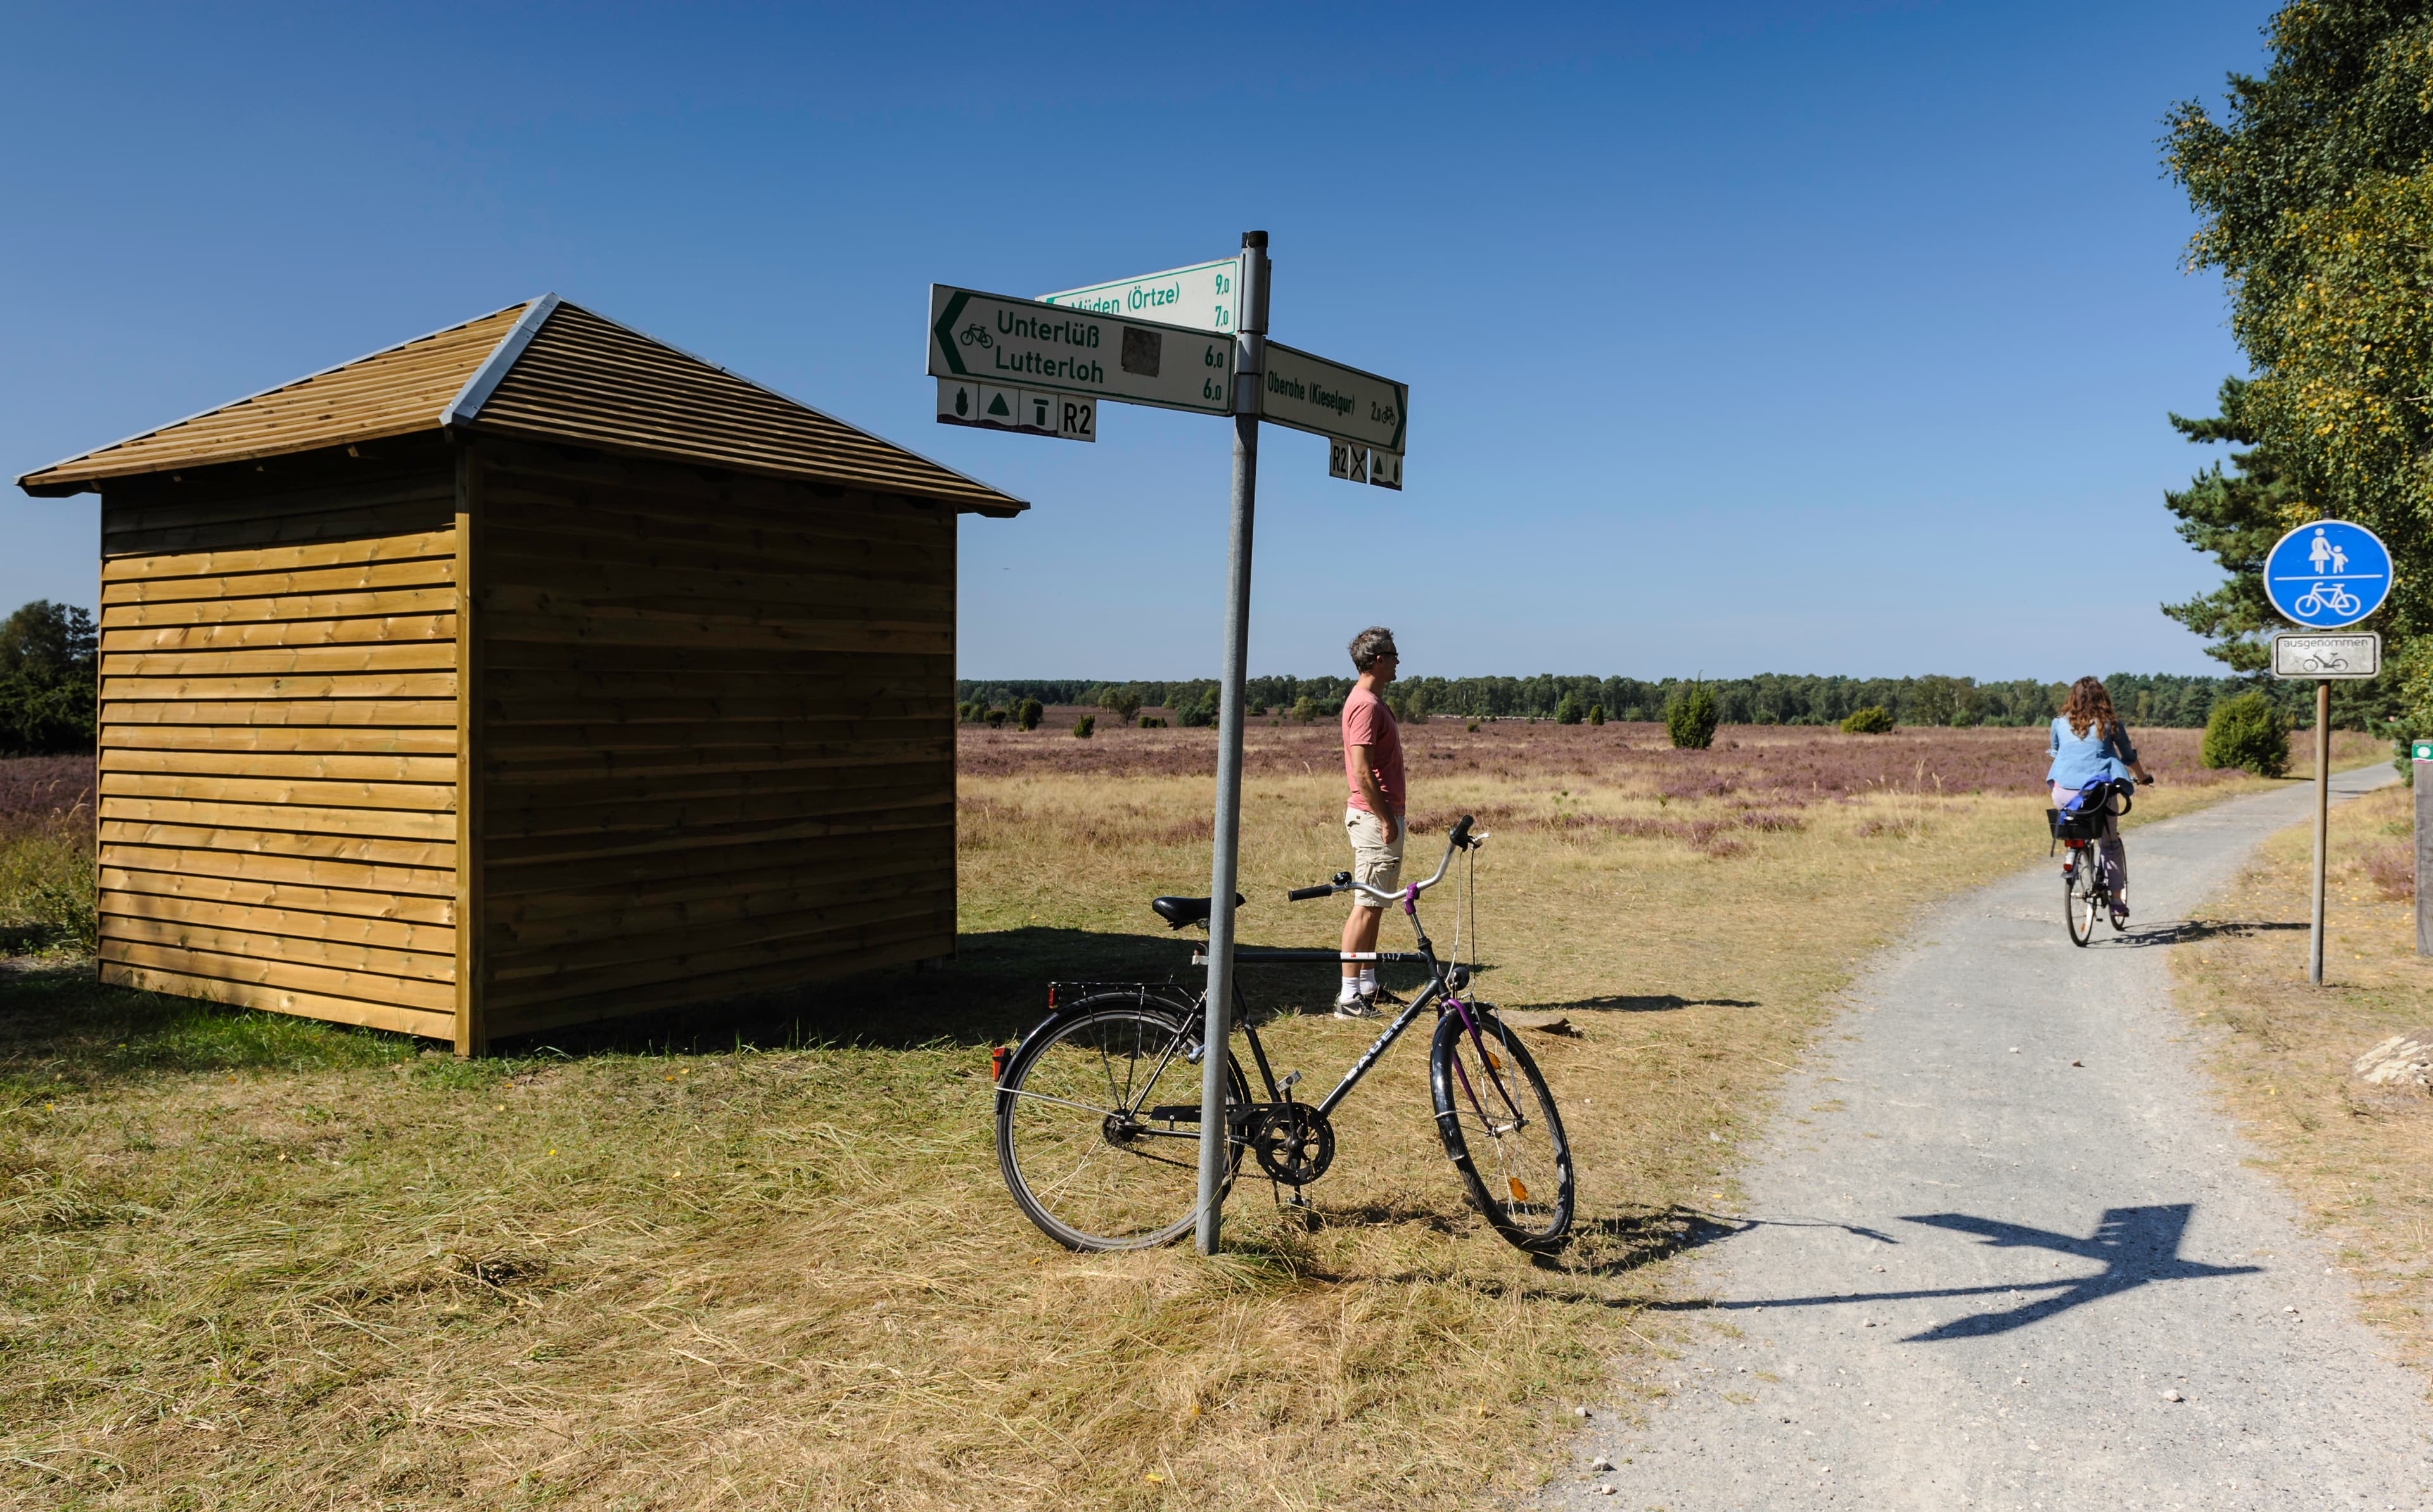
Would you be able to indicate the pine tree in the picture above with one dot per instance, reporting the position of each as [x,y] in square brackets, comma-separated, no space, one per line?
[2235,517]
[49,693]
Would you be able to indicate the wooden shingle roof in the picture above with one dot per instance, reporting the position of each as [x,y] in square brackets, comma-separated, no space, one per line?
[548,370]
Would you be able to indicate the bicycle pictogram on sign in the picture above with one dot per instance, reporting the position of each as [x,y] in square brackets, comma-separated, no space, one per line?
[2327,574]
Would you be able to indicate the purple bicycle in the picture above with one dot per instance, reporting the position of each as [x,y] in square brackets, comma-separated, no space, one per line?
[1098,1110]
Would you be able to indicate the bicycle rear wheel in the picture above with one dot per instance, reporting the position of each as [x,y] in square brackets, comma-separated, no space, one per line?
[2079,898]
[1098,1124]
[1501,1129]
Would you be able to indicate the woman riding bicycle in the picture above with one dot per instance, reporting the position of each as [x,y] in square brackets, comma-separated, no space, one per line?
[2090,752]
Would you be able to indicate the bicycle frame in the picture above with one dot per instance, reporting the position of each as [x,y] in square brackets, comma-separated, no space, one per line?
[1368,1058]
[1440,990]
[1440,986]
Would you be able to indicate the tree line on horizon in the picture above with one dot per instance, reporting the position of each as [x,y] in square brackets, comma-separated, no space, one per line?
[2163,699]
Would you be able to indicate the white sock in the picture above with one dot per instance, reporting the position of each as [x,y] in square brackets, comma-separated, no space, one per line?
[1351,989]
[1368,982]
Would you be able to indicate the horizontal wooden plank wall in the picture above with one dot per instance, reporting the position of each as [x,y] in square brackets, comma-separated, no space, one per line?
[278,746]
[717,734]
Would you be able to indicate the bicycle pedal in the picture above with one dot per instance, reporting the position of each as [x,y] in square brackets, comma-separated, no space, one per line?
[1292,1079]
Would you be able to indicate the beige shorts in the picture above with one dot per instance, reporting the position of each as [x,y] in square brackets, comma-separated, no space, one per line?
[1374,862]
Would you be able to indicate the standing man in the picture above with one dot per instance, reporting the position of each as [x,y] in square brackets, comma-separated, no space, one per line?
[1373,766]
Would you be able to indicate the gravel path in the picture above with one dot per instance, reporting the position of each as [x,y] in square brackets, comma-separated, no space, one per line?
[2000,1251]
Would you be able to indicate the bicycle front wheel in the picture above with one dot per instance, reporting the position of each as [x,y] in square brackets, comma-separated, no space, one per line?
[1500,1128]
[1098,1124]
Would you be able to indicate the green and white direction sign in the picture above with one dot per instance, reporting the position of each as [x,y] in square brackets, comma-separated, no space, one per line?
[1004,342]
[1202,295]
[1361,411]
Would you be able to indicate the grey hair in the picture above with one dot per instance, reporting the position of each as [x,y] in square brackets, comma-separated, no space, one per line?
[1369,644]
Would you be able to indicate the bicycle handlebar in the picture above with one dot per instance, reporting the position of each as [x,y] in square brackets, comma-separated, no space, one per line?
[1460,840]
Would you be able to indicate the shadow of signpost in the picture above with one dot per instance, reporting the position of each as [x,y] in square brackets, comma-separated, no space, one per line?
[2135,1246]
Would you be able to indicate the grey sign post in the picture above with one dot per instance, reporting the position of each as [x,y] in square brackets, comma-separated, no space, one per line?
[1248,362]
[2420,769]
[1043,366]
[2326,574]
[2324,657]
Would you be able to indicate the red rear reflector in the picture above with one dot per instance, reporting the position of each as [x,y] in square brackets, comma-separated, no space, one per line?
[997,1057]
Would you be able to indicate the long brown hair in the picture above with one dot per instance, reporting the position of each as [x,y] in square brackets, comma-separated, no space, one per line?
[2090,705]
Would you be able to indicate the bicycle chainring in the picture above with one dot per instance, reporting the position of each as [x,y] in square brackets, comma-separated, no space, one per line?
[1294,1142]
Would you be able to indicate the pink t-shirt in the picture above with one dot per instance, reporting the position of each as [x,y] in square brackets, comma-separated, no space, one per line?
[1368,721]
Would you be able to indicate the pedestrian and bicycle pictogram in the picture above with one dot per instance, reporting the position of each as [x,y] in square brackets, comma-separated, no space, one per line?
[2327,574]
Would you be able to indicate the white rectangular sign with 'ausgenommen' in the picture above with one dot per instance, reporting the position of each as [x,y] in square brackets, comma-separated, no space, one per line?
[1022,343]
[2326,655]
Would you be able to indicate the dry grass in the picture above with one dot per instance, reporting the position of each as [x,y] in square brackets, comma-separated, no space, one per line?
[760,1257]
[2359,1158]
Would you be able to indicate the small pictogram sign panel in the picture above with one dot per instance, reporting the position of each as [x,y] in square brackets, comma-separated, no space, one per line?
[1029,412]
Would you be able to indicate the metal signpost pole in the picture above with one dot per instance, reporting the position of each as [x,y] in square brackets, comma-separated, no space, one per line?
[2419,771]
[1045,366]
[2325,575]
[1215,1136]
[2323,819]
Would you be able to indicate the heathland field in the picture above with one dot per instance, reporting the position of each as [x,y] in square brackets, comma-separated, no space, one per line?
[760,1256]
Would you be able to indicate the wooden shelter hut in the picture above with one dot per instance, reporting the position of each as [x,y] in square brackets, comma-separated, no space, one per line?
[528,673]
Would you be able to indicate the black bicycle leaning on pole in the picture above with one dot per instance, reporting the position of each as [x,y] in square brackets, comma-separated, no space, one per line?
[1098,1110]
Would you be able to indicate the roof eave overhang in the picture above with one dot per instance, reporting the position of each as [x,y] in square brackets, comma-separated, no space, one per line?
[64,489]
[82,482]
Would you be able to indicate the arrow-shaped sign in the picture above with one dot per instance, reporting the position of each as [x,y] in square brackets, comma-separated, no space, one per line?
[1023,343]
[1328,398]
[1201,296]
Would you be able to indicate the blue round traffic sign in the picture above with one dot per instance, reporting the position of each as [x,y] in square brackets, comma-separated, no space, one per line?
[2327,574]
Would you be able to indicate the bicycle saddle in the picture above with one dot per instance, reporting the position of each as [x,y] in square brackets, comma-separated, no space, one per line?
[1178,912]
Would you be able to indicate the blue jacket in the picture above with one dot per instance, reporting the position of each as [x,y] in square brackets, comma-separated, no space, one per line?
[2083,760]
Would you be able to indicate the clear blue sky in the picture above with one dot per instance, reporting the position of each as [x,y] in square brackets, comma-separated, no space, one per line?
[1833,337]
